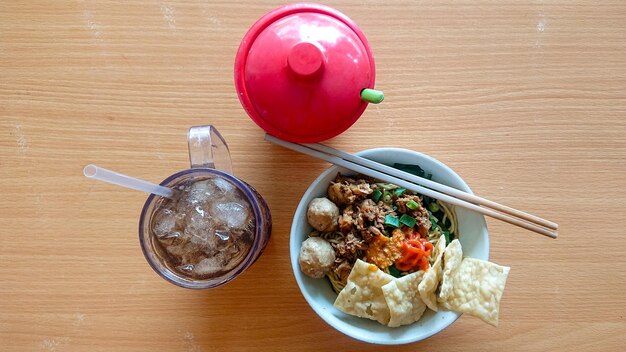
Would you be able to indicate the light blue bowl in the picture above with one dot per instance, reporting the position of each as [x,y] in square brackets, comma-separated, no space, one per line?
[318,292]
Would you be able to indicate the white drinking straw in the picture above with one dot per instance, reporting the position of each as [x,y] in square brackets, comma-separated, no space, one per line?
[102,174]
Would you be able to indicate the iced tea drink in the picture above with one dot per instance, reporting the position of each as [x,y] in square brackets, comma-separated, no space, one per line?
[214,227]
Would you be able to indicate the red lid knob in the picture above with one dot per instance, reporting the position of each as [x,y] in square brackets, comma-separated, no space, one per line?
[300,70]
[305,59]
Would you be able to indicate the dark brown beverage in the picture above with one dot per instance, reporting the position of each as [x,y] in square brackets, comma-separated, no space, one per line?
[206,231]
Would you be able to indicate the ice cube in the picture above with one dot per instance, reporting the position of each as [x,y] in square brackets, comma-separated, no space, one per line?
[225,259]
[231,214]
[224,186]
[165,223]
[209,266]
[198,218]
[239,197]
[213,241]
[201,186]
[199,192]
[198,226]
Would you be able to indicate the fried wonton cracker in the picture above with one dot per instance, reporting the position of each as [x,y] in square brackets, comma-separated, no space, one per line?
[363,294]
[453,255]
[429,283]
[403,299]
[478,286]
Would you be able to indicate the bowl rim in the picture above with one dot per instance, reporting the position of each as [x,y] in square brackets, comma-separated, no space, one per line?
[294,241]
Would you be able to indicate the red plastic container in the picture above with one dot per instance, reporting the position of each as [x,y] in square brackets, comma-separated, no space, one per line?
[300,70]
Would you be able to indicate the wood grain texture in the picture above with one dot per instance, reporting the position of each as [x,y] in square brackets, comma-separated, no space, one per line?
[524,99]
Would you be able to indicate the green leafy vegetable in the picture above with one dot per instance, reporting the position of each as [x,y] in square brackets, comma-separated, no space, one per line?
[413,169]
[434,207]
[394,271]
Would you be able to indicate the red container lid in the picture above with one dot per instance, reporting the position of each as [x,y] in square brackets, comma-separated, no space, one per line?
[300,70]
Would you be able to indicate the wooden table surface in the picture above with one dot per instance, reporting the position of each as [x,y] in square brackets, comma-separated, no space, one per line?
[524,99]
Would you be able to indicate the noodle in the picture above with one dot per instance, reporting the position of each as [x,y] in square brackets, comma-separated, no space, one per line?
[450,214]
[332,237]
[335,281]
[435,234]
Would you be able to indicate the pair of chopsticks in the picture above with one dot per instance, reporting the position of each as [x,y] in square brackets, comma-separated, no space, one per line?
[422,185]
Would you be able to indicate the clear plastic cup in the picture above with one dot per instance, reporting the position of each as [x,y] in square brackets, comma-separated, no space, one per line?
[210,159]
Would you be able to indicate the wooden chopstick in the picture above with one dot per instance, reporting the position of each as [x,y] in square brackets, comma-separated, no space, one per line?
[305,149]
[432,185]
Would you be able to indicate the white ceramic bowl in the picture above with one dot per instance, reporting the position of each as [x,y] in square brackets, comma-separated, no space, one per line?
[318,292]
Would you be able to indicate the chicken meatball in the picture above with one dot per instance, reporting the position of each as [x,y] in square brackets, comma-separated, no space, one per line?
[316,257]
[323,215]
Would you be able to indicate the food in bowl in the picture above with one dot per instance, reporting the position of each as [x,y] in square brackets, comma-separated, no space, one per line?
[395,254]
